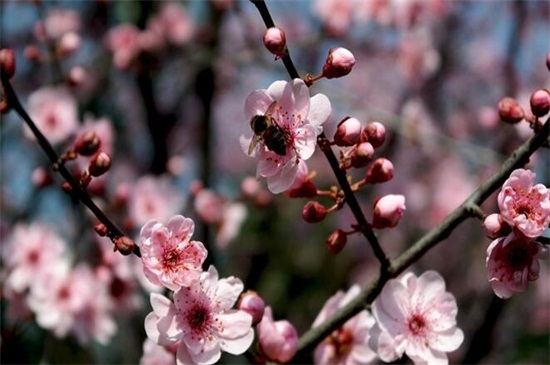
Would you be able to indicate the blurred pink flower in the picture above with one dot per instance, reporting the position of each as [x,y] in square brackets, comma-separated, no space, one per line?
[348,344]
[153,198]
[300,118]
[154,354]
[233,216]
[58,21]
[512,262]
[54,111]
[336,15]
[173,23]
[208,206]
[416,316]
[524,205]
[201,320]
[277,340]
[169,256]
[31,252]
[123,42]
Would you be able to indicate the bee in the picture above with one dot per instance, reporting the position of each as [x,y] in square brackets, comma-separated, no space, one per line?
[266,129]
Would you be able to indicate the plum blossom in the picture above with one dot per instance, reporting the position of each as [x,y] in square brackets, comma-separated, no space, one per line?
[417,317]
[349,343]
[300,118]
[154,354]
[169,256]
[277,340]
[172,23]
[512,262]
[54,111]
[123,41]
[524,205]
[201,320]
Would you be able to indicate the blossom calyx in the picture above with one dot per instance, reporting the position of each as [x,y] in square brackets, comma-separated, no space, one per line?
[540,102]
[100,164]
[388,210]
[374,133]
[275,41]
[253,304]
[380,171]
[314,212]
[7,62]
[337,241]
[339,63]
[348,132]
[510,111]
[87,144]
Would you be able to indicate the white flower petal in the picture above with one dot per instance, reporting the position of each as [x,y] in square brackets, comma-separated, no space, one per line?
[284,179]
[319,110]
[257,103]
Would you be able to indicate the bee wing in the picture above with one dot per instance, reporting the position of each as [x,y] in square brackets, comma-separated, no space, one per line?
[253,144]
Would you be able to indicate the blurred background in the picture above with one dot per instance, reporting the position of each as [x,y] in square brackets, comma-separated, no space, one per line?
[163,84]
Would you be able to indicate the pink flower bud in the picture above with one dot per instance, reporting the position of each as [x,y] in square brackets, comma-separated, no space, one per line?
[277,340]
[388,210]
[41,178]
[100,164]
[66,187]
[380,171]
[275,41]
[87,144]
[362,155]
[348,132]
[313,212]
[253,304]
[101,229]
[7,62]
[77,75]
[374,133]
[510,111]
[339,63]
[337,241]
[495,226]
[124,244]
[540,102]
[69,43]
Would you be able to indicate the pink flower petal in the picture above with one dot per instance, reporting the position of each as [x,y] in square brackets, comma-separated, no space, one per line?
[319,110]
[284,179]
[228,292]
[257,103]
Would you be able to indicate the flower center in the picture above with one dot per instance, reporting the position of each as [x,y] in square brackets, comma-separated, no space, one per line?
[199,319]
[417,324]
[342,340]
[171,260]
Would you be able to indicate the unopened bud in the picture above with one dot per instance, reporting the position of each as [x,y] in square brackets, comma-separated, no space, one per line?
[275,41]
[362,155]
[101,229]
[388,210]
[253,304]
[7,62]
[100,164]
[374,133]
[124,245]
[380,171]
[339,63]
[313,212]
[87,144]
[67,187]
[540,102]
[510,111]
[495,226]
[337,241]
[348,132]
[306,189]
[41,178]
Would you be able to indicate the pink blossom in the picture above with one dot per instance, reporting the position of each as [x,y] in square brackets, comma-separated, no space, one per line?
[169,256]
[122,40]
[277,340]
[54,111]
[31,252]
[523,205]
[336,15]
[417,317]
[300,119]
[201,320]
[209,206]
[154,354]
[348,344]
[233,216]
[173,23]
[60,21]
[512,262]
[153,198]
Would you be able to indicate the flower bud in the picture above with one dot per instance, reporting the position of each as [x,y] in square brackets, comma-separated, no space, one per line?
[380,171]
[100,164]
[277,340]
[388,210]
[124,245]
[275,41]
[348,132]
[87,144]
[306,189]
[495,226]
[69,43]
[337,241]
[510,111]
[339,63]
[313,212]
[253,304]
[7,62]
[374,133]
[101,229]
[540,102]
[77,75]
[41,178]
[362,155]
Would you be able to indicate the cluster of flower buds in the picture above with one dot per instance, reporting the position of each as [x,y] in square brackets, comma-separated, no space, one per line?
[510,111]
[512,257]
